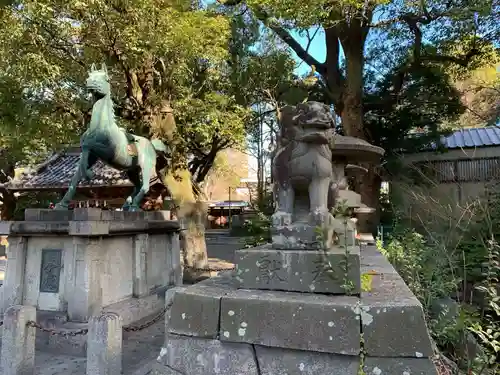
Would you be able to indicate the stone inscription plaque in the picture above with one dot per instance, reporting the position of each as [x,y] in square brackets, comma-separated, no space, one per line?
[50,272]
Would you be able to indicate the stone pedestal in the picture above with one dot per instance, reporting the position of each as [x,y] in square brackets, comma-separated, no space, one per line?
[296,306]
[72,265]
[216,327]
[299,270]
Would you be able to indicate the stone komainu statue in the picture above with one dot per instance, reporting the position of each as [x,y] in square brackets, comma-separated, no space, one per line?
[302,166]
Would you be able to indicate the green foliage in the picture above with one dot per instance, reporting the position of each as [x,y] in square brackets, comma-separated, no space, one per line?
[258,229]
[454,255]
[426,101]
[162,55]
[426,269]
[401,52]
[479,91]
[489,333]
[306,14]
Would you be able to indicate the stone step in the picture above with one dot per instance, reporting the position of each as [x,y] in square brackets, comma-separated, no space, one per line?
[197,356]
[271,318]
[313,271]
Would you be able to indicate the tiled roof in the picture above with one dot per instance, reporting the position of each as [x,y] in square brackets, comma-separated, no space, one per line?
[473,137]
[57,171]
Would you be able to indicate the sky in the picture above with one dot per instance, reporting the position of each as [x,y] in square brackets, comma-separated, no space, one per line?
[317,49]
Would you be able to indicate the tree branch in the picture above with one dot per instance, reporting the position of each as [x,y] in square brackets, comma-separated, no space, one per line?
[333,77]
[284,35]
[419,57]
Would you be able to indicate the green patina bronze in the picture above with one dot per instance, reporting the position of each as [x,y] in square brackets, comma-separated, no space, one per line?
[105,141]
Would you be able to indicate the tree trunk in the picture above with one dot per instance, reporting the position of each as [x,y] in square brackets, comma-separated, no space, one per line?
[191,214]
[260,165]
[9,201]
[8,205]
[366,184]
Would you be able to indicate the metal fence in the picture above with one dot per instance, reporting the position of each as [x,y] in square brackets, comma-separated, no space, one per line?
[469,170]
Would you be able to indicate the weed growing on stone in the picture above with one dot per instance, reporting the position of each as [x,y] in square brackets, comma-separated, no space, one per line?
[362,354]
[342,212]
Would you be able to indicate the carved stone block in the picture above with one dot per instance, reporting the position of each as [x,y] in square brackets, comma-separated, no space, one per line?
[299,270]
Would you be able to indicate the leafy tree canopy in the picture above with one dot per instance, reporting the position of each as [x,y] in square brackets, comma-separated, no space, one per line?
[165,58]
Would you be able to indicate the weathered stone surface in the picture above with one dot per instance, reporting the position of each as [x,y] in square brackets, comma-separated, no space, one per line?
[303,234]
[88,228]
[104,350]
[159,369]
[298,235]
[135,215]
[224,280]
[40,214]
[92,214]
[24,228]
[393,322]
[292,320]
[297,270]
[18,341]
[399,366]
[198,356]
[373,261]
[195,311]
[276,361]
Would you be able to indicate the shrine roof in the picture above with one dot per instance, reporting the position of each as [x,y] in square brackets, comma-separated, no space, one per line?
[56,172]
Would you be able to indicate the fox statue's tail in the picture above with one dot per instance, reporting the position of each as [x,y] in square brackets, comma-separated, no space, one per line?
[159,146]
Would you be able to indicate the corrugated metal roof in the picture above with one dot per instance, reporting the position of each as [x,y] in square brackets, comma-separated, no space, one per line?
[473,137]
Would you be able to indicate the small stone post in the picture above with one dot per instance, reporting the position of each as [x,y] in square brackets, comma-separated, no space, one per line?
[104,345]
[18,341]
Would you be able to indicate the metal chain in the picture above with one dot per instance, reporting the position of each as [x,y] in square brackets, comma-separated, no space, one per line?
[149,323]
[54,332]
[84,331]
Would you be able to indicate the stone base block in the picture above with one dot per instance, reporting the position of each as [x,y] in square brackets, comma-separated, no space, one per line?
[159,369]
[195,311]
[393,321]
[197,356]
[398,366]
[299,270]
[274,361]
[92,214]
[225,330]
[301,321]
[312,322]
[295,236]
